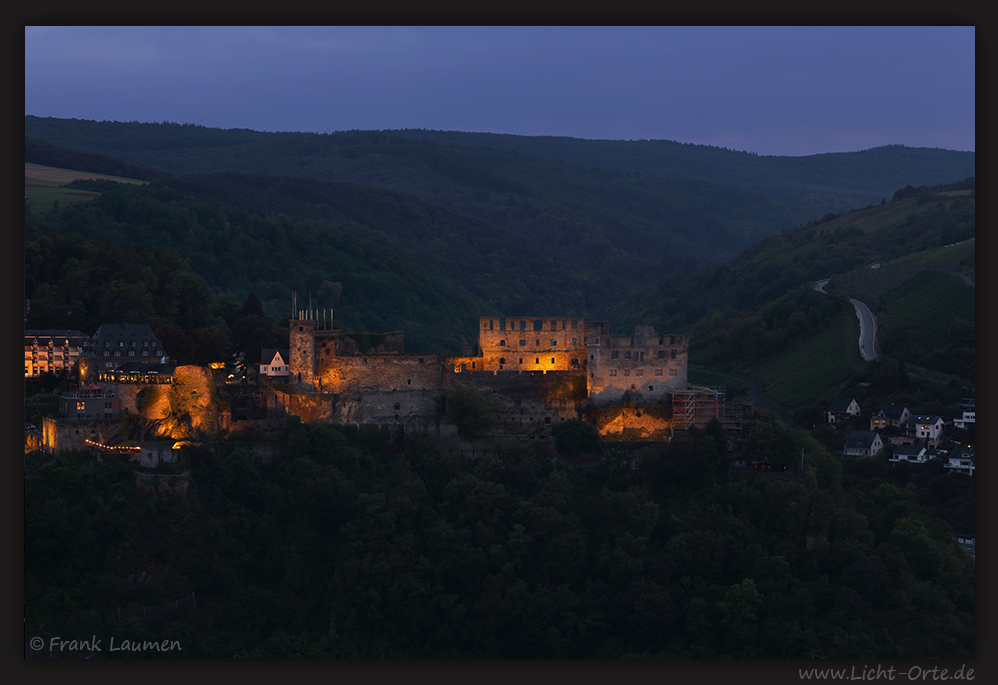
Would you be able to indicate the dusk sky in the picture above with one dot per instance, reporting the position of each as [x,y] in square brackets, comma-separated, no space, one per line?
[769,90]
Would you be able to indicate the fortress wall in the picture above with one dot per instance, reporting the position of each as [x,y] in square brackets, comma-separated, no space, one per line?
[646,367]
[378,372]
[419,409]
[545,343]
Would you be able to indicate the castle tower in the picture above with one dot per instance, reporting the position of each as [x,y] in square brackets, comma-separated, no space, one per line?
[302,348]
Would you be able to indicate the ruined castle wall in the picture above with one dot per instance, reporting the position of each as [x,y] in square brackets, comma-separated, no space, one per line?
[531,343]
[532,402]
[643,368]
[419,409]
[378,372]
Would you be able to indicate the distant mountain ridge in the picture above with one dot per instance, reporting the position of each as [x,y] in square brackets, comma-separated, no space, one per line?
[657,196]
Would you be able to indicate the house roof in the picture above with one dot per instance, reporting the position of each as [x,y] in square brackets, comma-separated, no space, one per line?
[114,333]
[840,404]
[267,354]
[912,450]
[893,411]
[924,418]
[860,439]
[57,336]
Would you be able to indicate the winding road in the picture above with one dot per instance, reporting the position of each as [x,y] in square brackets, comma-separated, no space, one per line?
[867,325]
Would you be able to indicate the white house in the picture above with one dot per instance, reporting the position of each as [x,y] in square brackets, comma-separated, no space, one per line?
[274,363]
[842,408]
[925,427]
[913,453]
[891,416]
[969,414]
[961,460]
[863,444]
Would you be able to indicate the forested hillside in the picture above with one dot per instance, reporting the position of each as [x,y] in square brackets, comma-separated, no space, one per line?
[653,203]
[360,544]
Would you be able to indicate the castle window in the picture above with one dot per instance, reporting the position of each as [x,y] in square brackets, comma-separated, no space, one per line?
[658,372]
[672,372]
[673,354]
[537,343]
[554,342]
[537,360]
[627,354]
[523,324]
[661,354]
[575,342]
[538,325]
[117,353]
[131,353]
[554,325]
[502,360]
[672,340]
[564,324]
[639,372]
[615,354]
[552,360]
[613,372]
[106,353]
[491,324]
[365,360]
[521,360]
[523,343]
[627,372]
[502,343]
[650,388]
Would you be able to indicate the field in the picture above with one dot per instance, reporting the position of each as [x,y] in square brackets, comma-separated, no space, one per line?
[44,186]
[926,308]
[815,367]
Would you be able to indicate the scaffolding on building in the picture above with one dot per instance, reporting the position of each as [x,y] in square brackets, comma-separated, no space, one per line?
[696,405]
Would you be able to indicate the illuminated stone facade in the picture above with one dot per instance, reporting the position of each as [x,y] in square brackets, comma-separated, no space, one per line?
[644,367]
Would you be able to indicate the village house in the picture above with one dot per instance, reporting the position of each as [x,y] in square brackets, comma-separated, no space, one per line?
[274,363]
[924,427]
[842,408]
[969,414]
[915,453]
[891,416]
[862,444]
[961,460]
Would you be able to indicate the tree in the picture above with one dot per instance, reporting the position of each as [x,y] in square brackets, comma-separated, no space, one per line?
[577,437]
[474,412]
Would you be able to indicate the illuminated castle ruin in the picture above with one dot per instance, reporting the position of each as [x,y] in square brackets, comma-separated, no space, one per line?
[544,369]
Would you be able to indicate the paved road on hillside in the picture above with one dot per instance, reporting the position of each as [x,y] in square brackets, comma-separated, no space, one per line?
[867,330]
[867,324]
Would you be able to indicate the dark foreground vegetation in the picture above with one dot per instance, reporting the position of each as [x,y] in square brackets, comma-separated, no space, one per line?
[359,543]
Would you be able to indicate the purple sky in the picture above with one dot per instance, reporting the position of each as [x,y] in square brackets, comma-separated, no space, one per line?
[770,90]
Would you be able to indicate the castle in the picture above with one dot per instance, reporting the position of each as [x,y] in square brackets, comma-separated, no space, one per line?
[542,369]
[644,367]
